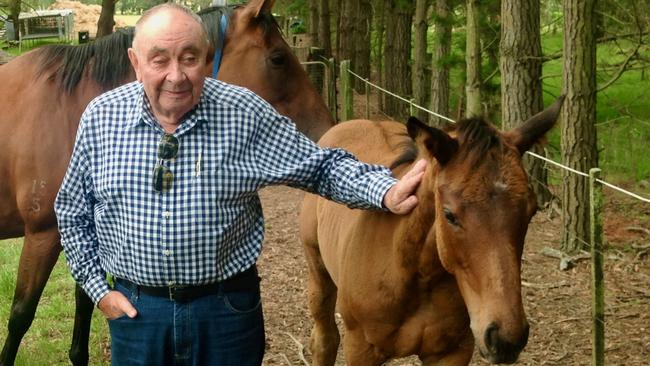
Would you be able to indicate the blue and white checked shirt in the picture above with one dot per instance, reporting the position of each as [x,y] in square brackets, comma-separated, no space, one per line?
[209,226]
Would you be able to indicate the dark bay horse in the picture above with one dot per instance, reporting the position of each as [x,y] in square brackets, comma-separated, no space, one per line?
[446,276]
[42,96]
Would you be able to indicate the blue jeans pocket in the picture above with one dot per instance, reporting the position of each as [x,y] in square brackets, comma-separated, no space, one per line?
[243,301]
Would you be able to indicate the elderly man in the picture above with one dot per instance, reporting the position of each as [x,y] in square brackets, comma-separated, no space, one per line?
[161,193]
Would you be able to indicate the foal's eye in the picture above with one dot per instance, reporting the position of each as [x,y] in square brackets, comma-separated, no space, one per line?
[450,217]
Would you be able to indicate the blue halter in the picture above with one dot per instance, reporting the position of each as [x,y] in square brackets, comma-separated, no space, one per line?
[218,53]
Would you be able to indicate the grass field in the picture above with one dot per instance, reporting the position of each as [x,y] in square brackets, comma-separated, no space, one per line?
[48,339]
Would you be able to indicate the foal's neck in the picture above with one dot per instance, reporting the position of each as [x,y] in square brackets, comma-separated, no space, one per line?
[415,244]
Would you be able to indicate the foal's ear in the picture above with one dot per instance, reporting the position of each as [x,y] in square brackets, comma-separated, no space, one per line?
[440,145]
[534,129]
[259,6]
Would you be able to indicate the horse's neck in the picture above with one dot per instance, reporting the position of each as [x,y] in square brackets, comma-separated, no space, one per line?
[415,249]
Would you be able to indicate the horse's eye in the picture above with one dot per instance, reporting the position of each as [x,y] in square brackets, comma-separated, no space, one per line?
[278,59]
[451,218]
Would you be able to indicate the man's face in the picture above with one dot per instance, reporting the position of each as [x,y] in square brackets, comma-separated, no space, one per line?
[169,59]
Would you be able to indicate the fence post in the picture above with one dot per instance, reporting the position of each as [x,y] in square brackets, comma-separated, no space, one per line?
[346,91]
[332,89]
[597,286]
[367,99]
[412,107]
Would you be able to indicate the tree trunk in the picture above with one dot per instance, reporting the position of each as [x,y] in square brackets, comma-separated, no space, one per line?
[314,18]
[579,141]
[336,17]
[324,31]
[106,19]
[443,20]
[420,85]
[521,85]
[397,55]
[473,62]
[380,41]
[14,12]
[346,28]
[362,43]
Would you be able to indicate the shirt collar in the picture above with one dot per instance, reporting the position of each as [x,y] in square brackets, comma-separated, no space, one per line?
[142,114]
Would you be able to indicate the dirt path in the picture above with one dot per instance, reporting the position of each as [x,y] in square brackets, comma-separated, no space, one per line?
[557,302]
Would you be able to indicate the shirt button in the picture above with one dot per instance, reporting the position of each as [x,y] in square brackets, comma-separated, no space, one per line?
[167,214]
[167,252]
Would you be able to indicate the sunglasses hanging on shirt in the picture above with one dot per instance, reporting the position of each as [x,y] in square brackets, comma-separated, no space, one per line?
[162,175]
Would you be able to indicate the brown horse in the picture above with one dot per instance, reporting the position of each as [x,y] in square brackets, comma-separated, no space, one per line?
[42,96]
[447,275]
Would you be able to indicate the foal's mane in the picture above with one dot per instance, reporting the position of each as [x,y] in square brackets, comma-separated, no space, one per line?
[475,137]
[105,60]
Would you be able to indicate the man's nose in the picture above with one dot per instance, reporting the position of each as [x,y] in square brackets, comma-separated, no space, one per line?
[176,73]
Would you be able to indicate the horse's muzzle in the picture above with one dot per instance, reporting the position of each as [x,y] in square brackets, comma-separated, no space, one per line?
[499,350]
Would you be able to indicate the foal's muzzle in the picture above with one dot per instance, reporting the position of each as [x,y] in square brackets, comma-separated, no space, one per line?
[500,350]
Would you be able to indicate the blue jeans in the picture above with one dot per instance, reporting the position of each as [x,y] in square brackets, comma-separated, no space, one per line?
[223,329]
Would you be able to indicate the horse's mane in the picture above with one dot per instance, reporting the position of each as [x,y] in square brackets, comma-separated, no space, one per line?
[107,58]
[475,136]
[211,18]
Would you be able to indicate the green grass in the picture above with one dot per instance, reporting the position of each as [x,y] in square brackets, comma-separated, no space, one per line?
[48,339]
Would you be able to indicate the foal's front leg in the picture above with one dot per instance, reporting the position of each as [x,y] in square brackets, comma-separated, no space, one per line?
[358,352]
[461,356]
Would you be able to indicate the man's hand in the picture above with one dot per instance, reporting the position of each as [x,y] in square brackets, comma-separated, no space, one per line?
[400,198]
[115,305]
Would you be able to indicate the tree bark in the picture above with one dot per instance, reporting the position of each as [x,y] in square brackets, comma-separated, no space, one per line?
[314,18]
[397,55]
[14,12]
[336,20]
[579,140]
[420,85]
[521,85]
[324,31]
[106,19]
[346,28]
[380,41]
[473,62]
[443,20]
[362,34]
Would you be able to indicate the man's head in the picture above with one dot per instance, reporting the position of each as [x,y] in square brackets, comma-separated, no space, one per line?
[169,55]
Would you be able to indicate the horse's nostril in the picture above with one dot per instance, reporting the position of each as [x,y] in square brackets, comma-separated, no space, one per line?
[492,337]
[524,338]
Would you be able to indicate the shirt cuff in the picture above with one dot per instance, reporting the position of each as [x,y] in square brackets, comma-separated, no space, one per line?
[96,287]
[378,188]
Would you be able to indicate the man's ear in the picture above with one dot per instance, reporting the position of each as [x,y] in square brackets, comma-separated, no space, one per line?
[135,62]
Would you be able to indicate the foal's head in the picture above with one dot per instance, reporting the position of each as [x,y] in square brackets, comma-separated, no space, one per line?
[483,205]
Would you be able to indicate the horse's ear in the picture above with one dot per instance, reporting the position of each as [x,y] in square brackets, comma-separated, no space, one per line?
[534,129]
[439,144]
[260,6]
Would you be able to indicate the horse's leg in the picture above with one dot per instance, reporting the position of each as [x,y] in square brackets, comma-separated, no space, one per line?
[358,352]
[322,291]
[40,253]
[83,313]
[460,357]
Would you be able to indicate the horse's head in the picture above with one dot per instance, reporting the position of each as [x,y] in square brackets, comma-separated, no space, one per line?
[483,205]
[256,56]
